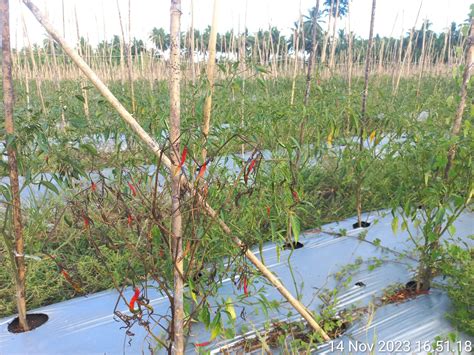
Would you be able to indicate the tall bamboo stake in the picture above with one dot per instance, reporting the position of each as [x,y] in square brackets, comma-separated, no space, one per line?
[8,102]
[85,104]
[422,59]
[309,75]
[364,109]
[35,70]
[456,128]
[129,58]
[334,38]
[191,57]
[211,63]
[176,219]
[296,49]
[184,183]
[349,49]
[312,54]
[326,35]
[407,57]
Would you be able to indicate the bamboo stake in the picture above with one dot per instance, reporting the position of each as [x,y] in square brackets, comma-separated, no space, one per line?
[176,219]
[309,75]
[296,49]
[211,62]
[349,49]
[243,57]
[85,104]
[122,60]
[422,59]
[129,59]
[334,38]
[407,57]
[184,183]
[312,54]
[8,102]
[35,71]
[364,109]
[191,57]
[469,63]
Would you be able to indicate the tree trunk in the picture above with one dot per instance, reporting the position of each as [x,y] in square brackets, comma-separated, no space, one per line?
[12,165]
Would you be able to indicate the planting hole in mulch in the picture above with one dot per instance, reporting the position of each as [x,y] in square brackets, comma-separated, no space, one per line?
[293,245]
[411,285]
[34,320]
[362,224]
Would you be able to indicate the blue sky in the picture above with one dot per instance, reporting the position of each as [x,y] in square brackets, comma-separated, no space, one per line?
[99,19]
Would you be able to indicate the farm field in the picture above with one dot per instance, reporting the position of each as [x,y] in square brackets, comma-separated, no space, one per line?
[265,194]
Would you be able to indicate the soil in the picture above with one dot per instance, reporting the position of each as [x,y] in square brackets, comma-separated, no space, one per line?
[34,321]
[363,224]
[293,245]
[403,294]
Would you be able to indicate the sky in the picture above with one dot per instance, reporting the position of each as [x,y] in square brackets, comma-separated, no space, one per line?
[98,19]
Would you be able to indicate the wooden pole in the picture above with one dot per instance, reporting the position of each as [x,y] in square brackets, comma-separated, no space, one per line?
[211,62]
[456,128]
[184,183]
[8,102]
[312,54]
[364,109]
[176,219]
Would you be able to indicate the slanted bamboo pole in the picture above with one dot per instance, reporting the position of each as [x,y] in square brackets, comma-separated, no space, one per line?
[184,183]
[8,102]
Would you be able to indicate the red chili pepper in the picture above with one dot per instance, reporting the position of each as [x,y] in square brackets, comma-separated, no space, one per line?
[202,170]
[86,222]
[252,164]
[246,174]
[129,220]
[132,188]
[295,195]
[268,211]
[183,156]
[246,291]
[93,186]
[134,299]
[206,343]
